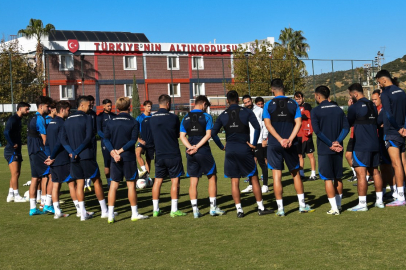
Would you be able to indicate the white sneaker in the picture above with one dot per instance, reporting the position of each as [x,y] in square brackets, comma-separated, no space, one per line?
[20,199]
[27,184]
[138,217]
[247,189]
[264,189]
[10,198]
[333,212]
[106,214]
[143,173]
[88,213]
[61,215]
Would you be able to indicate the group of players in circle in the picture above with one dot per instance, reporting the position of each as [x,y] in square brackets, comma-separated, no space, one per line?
[62,148]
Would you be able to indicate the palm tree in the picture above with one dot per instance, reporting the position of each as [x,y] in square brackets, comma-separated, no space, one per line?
[294,41]
[35,29]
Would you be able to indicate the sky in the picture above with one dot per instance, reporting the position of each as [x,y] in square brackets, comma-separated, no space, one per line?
[345,29]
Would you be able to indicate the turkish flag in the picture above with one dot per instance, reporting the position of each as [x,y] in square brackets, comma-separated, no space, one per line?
[73,45]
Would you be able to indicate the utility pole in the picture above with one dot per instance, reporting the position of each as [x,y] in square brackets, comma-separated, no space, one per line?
[379,59]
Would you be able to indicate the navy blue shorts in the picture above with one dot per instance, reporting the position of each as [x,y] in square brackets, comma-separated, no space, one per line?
[239,164]
[331,166]
[171,167]
[61,174]
[14,157]
[106,157]
[400,145]
[84,169]
[277,154]
[365,159]
[38,168]
[149,152]
[384,155]
[199,164]
[121,169]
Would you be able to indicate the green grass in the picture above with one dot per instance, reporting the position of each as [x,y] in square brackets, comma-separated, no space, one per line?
[369,240]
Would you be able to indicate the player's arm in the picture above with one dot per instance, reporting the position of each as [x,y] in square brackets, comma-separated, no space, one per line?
[106,139]
[6,132]
[388,111]
[215,130]
[351,115]
[64,140]
[317,129]
[380,118]
[252,118]
[183,132]
[344,131]
[41,128]
[177,126]
[99,121]
[134,137]
[209,126]
[88,137]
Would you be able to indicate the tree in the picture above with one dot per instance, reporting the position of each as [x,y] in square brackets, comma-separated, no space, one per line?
[22,79]
[294,42]
[136,99]
[35,29]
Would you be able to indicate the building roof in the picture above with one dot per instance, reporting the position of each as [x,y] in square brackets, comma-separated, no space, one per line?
[101,36]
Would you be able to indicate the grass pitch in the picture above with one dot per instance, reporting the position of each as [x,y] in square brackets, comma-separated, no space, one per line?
[367,240]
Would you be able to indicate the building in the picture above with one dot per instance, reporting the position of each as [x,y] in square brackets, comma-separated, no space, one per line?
[104,64]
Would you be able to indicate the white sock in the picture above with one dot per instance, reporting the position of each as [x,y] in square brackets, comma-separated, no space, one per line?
[111,212]
[16,194]
[194,205]
[353,171]
[367,177]
[239,208]
[401,193]
[213,202]
[174,205]
[338,199]
[56,208]
[48,200]
[260,205]
[82,209]
[333,203]
[103,206]
[43,199]
[155,203]
[10,192]
[301,173]
[313,173]
[38,194]
[33,204]
[279,203]
[393,188]
[301,199]
[143,168]
[362,200]
[134,210]
[76,204]
[379,196]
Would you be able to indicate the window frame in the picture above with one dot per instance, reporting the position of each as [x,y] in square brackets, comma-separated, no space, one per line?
[67,98]
[195,68]
[178,88]
[66,68]
[177,62]
[203,87]
[125,90]
[135,62]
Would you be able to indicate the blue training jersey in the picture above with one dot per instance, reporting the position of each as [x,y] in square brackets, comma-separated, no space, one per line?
[329,124]
[76,135]
[394,109]
[237,141]
[277,115]
[12,134]
[122,132]
[365,134]
[165,131]
[53,142]
[36,127]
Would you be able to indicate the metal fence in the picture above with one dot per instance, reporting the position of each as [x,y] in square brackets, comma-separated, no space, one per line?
[183,77]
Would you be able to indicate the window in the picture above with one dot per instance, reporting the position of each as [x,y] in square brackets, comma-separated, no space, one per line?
[130,63]
[173,62]
[174,89]
[65,62]
[128,90]
[198,89]
[197,62]
[67,92]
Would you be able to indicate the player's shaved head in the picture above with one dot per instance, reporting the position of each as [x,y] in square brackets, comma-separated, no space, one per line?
[356,87]
[81,99]
[164,99]
[323,91]
[277,85]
